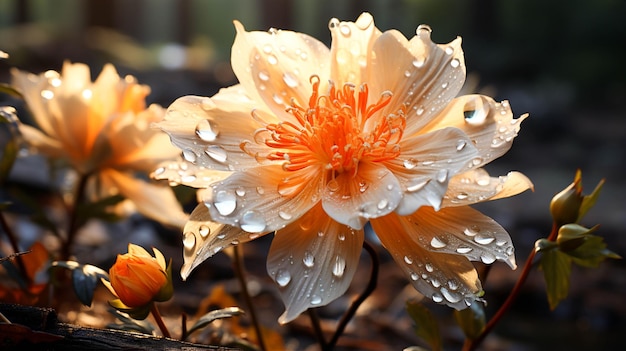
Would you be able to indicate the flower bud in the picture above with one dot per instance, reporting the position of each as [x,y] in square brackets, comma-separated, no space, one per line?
[565,206]
[137,278]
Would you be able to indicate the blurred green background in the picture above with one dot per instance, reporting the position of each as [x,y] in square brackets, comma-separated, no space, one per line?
[561,61]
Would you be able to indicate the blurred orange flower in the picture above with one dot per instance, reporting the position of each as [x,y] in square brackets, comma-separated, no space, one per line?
[102,128]
[315,142]
[137,278]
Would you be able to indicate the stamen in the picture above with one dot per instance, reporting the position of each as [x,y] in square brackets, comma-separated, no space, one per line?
[335,131]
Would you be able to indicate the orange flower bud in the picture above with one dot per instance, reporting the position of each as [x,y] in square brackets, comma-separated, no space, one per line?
[137,277]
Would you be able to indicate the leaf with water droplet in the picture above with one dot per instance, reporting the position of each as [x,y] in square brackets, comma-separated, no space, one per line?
[426,326]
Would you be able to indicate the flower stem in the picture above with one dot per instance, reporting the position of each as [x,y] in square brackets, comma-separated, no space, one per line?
[371,286]
[471,344]
[14,246]
[73,217]
[317,328]
[157,317]
[238,261]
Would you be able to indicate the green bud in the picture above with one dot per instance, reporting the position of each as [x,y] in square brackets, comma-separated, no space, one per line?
[167,290]
[565,206]
[572,236]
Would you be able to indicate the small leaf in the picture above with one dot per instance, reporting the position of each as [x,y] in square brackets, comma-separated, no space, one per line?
[426,326]
[592,252]
[556,267]
[589,200]
[130,324]
[471,320]
[208,318]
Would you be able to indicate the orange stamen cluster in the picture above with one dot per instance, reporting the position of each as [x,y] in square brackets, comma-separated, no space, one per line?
[338,131]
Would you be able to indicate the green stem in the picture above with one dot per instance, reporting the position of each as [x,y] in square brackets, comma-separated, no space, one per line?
[157,317]
[73,217]
[472,344]
[238,261]
[371,286]
[317,328]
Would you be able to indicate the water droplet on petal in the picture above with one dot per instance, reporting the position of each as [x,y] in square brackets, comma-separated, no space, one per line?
[264,76]
[483,239]
[290,80]
[452,284]
[260,190]
[455,63]
[416,185]
[471,230]
[460,145]
[414,276]
[225,202]
[408,260]
[252,222]
[189,241]
[410,163]
[382,204]
[442,175]
[308,259]
[429,267]
[283,277]
[345,30]
[487,258]
[437,243]
[449,50]
[240,191]
[189,155]
[316,300]
[272,60]
[217,153]
[451,296]
[284,215]
[204,231]
[462,196]
[339,267]
[463,250]
[435,282]
[437,297]
[419,62]
[205,131]
[475,111]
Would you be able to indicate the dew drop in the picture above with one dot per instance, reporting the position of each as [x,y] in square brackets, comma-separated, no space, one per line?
[339,267]
[442,175]
[189,241]
[410,163]
[264,76]
[487,258]
[341,236]
[217,153]
[284,215]
[260,190]
[382,204]
[277,99]
[451,296]
[435,282]
[463,250]
[408,260]
[290,80]
[475,111]
[407,73]
[455,63]
[240,192]
[188,178]
[283,277]
[419,111]
[437,298]
[204,231]
[471,230]
[462,196]
[453,285]
[316,300]
[429,267]
[449,50]
[437,243]
[416,185]
[225,202]
[308,259]
[205,131]
[271,59]
[419,62]
[345,30]
[267,48]
[189,155]
[483,239]
[460,145]
[414,276]
[252,222]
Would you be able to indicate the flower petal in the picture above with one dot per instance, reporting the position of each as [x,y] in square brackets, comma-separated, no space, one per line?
[489,124]
[189,174]
[41,142]
[276,66]
[444,278]
[202,238]
[463,230]
[154,201]
[211,130]
[422,75]
[353,199]
[476,186]
[426,164]
[313,261]
[351,49]
[263,199]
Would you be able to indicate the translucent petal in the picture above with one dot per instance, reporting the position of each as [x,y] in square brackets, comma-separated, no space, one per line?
[489,124]
[445,278]
[353,199]
[210,131]
[276,66]
[426,164]
[264,199]
[313,261]
[463,230]
[422,75]
[351,49]
[154,201]
[202,238]
[477,186]
[41,142]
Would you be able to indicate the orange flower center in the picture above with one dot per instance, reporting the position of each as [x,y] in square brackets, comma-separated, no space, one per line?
[338,131]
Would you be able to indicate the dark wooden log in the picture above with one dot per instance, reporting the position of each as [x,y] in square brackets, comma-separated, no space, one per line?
[39,328]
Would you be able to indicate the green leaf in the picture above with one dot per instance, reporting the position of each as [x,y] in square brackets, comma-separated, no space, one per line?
[208,318]
[471,320]
[139,313]
[592,252]
[130,324]
[85,278]
[556,267]
[11,146]
[426,326]
[589,201]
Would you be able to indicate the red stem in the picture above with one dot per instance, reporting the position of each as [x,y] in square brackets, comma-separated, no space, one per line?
[157,317]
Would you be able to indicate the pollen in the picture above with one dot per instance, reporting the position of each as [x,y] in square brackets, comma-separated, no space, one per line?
[337,131]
